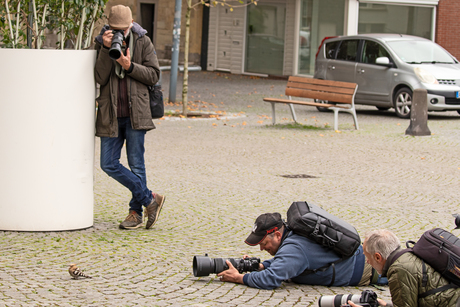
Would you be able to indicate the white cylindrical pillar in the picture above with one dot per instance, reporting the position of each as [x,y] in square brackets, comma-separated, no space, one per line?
[47,115]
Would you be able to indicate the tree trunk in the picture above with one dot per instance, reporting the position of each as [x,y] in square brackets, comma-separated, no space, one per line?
[186,51]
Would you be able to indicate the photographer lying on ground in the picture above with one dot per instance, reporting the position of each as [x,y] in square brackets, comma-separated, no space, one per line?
[405,274]
[293,255]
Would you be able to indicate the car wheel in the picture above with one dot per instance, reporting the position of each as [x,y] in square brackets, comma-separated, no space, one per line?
[322,109]
[382,108]
[458,111]
[403,102]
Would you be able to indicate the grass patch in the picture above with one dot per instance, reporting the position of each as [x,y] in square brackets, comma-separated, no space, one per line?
[298,126]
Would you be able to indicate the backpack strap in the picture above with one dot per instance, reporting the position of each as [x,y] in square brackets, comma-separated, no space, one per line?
[425,275]
[440,289]
[322,269]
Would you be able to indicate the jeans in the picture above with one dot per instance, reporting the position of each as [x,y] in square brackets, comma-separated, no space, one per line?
[135,178]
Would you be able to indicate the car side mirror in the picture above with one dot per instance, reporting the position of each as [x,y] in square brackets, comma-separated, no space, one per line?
[384,61]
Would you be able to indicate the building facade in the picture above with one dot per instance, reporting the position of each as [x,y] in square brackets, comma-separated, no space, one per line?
[281,37]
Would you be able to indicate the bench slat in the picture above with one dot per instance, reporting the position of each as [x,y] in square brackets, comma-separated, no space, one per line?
[322,82]
[322,88]
[307,103]
[342,98]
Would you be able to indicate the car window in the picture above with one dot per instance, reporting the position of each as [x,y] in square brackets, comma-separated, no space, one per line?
[330,49]
[420,52]
[372,51]
[347,50]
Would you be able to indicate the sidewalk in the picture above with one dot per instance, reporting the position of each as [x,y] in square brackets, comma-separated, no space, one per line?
[218,175]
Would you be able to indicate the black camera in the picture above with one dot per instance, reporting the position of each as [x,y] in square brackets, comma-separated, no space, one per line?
[203,265]
[117,41]
[367,298]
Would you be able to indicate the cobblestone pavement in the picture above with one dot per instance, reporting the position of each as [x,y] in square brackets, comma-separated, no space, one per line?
[218,174]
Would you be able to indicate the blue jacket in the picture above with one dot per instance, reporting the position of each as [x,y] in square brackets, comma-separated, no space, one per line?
[295,255]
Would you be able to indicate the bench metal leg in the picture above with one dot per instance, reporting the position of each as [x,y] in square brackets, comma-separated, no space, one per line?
[355,119]
[293,112]
[273,113]
[336,119]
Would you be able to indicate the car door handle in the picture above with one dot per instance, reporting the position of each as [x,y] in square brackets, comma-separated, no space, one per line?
[360,71]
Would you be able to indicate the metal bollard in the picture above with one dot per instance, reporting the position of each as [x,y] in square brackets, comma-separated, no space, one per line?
[419,114]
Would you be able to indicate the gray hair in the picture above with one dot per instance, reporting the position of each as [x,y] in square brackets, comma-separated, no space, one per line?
[381,241]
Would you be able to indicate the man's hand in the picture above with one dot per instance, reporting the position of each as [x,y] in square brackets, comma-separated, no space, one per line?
[231,275]
[107,38]
[125,61]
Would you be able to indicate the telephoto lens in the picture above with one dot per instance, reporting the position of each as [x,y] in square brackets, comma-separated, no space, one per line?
[367,298]
[203,265]
[117,41]
[338,300]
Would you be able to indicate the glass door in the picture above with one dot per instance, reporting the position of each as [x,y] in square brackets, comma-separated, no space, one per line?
[265,38]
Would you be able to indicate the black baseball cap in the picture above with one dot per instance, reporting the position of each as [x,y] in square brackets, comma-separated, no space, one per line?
[265,224]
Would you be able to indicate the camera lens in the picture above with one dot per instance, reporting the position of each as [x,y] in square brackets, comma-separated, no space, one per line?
[337,300]
[202,266]
[115,48]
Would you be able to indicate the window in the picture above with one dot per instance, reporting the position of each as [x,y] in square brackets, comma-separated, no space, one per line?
[347,50]
[330,49]
[318,19]
[372,51]
[400,19]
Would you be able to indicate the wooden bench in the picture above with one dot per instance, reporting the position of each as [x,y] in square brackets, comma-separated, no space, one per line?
[341,93]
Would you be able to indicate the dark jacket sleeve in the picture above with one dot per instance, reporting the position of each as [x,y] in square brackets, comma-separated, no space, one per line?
[147,69]
[104,64]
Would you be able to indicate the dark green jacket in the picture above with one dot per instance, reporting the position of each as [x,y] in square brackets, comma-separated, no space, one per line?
[145,72]
[405,281]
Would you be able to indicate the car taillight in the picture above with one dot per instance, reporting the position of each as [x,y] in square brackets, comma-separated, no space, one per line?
[320,45]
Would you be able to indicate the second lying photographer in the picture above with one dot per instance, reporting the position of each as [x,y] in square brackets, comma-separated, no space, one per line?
[298,259]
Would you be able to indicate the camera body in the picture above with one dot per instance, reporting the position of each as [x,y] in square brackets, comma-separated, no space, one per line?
[368,298]
[203,265]
[117,42]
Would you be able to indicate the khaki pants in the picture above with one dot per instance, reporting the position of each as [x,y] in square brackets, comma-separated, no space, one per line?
[368,275]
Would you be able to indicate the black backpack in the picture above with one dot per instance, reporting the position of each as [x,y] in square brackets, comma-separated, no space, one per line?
[315,223]
[441,250]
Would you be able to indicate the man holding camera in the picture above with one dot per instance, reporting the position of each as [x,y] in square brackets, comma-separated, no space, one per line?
[124,108]
[405,274]
[298,259]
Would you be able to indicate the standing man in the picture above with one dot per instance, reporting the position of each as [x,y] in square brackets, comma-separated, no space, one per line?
[124,111]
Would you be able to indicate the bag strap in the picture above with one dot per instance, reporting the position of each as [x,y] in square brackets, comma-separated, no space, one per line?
[440,289]
[322,269]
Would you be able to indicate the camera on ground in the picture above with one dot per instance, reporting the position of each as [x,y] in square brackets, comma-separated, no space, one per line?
[367,298]
[203,265]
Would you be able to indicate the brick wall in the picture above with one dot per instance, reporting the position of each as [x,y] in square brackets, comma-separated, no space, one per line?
[448,26]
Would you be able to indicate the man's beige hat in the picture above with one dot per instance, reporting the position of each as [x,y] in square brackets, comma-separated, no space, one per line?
[120,17]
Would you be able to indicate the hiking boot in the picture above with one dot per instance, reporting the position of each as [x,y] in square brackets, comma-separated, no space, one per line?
[152,211]
[132,221]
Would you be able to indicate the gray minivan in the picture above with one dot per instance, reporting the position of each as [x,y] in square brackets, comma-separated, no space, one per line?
[388,67]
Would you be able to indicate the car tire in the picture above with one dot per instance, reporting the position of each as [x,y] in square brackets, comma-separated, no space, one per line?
[403,102]
[322,109]
[458,111]
[382,108]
